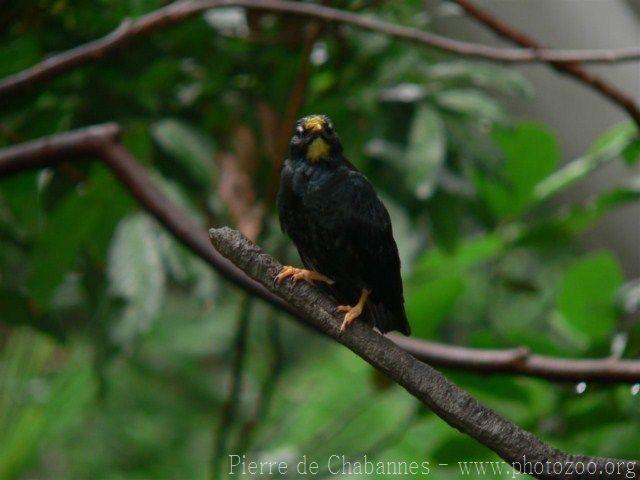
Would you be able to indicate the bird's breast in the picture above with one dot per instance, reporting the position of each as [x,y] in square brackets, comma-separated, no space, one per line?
[313,181]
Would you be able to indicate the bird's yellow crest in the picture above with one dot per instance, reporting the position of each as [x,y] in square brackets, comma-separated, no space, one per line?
[314,124]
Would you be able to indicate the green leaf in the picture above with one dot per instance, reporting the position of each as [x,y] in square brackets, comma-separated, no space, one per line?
[136,275]
[16,309]
[506,80]
[407,238]
[21,195]
[19,53]
[69,228]
[609,146]
[445,212]
[472,252]
[586,299]
[186,268]
[531,153]
[425,151]
[615,139]
[470,102]
[191,148]
[569,224]
[429,304]
[631,153]
[452,450]
[83,220]
[36,405]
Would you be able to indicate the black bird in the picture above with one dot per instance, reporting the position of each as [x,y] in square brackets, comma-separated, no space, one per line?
[340,227]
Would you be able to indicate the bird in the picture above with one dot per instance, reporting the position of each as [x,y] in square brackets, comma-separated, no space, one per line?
[341,229]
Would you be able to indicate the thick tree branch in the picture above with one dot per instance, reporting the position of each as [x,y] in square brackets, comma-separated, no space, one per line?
[50,150]
[570,68]
[100,141]
[183,9]
[449,402]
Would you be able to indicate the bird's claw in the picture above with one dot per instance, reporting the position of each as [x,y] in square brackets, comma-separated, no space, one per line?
[308,276]
[351,313]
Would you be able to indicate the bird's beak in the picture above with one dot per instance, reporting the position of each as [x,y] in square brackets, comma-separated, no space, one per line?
[314,125]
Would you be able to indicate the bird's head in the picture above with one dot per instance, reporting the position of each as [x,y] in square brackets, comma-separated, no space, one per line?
[315,139]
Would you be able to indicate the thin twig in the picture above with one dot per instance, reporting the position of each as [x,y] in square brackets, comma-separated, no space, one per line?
[268,388]
[571,68]
[183,9]
[230,408]
[100,142]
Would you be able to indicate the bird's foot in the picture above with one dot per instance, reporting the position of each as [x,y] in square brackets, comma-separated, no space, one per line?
[308,276]
[351,313]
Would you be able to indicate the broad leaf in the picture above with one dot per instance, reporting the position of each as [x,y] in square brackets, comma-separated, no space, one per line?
[587,296]
[567,225]
[631,153]
[476,250]
[188,146]
[506,80]
[19,53]
[531,153]
[617,141]
[136,275]
[82,221]
[69,228]
[470,102]
[425,151]
[429,304]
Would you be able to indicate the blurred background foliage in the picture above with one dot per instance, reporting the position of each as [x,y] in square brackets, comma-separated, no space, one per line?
[124,356]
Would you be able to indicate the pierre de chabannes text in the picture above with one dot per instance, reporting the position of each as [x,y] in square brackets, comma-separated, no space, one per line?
[341,465]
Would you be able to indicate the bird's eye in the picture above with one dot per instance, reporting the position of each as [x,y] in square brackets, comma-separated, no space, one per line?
[299,130]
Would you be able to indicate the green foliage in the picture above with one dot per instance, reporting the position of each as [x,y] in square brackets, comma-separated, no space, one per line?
[531,153]
[586,298]
[432,302]
[617,141]
[36,405]
[480,75]
[191,149]
[117,342]
[136,275]
[470,103]
[631,153]
[71,229]
[425,151]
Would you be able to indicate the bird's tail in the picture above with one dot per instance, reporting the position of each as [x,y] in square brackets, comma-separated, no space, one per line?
[386,319]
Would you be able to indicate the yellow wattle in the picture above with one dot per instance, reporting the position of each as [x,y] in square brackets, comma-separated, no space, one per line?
[318,150]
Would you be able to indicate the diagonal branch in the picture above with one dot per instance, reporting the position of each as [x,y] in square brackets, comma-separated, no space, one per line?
[181,10]
[572,69]
[101,141]
[449,402]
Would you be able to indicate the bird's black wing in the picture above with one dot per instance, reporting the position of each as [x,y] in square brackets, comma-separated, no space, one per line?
[286,200]
[293,220]
[370,240]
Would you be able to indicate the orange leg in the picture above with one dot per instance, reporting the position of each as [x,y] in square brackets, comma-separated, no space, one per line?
[308,276]
[351,313]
